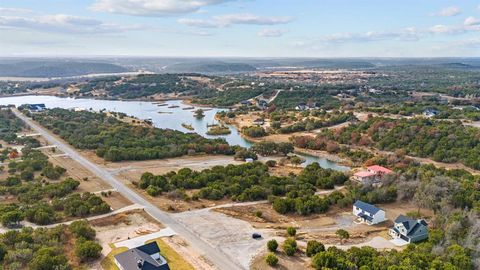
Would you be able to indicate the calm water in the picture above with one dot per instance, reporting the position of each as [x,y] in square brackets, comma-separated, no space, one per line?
[161,116]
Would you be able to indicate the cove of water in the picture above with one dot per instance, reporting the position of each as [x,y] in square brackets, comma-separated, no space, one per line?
[161,117]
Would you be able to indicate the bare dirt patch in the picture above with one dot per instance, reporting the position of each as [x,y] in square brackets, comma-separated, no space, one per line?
[116,200]
[297,262]
[122,227]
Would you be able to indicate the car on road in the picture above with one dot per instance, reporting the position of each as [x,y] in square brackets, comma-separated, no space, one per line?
[256,236]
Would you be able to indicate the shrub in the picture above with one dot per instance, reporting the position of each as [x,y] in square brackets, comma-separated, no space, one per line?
[342,234]
[86,249]
[81,228]
[291,231]
[289,250]
[314,247]
[271,163]
[272,245]
[271,259]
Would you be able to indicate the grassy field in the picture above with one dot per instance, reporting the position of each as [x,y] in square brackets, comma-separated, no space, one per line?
[175,261]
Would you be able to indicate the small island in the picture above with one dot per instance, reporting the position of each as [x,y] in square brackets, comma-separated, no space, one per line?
[219,130]
[187,126]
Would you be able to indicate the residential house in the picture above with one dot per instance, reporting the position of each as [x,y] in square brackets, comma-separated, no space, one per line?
[368,213]
[301,107]
[408,229]
[379,170]
[364,177]
[36,107]
[146,257]
[372,176]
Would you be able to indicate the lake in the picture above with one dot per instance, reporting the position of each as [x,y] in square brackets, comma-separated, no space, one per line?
[161,117]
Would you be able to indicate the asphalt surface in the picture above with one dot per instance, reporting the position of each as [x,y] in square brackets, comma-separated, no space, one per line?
[217,257]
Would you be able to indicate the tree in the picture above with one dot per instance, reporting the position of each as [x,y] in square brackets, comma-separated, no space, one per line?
[3,251]
[47,258]
[325,260]
[272,245]
[199,114]
[81,228]
[342,234]
[271,259]
[296,160]
[86,249]
[11,218]
[291,231]
[285,148]
[290,246]
[271,163]
[289,250]
[314,247]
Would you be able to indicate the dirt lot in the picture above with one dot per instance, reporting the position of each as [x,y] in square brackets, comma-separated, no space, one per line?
[231,236]
[122,226]
[297,262]
[116,200]
[88,181]
[321,227]
[133,170]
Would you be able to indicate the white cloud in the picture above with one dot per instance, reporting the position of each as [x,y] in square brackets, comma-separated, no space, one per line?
[231,19]
[153,7]
[271,33]
[6,10]
[448,12]
[406,34]
[62,23]
[471,21]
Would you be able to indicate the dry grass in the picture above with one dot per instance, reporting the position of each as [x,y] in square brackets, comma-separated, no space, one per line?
[108,262]
[175,261]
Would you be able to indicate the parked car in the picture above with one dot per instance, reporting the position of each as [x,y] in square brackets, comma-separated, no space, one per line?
[256,236]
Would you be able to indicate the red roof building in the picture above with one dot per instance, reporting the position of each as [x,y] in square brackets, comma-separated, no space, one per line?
[379,170]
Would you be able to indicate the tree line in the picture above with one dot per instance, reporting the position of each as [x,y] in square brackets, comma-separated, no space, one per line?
[115,140]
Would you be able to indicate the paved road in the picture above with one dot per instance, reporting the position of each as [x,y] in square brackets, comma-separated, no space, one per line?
[217,257]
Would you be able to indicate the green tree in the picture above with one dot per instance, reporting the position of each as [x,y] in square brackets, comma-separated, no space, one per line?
[291,231]
[272,245]
[314,247]
[47,258]
[342,234]
[81,228]
[271,259]
[12,218]
[86,249]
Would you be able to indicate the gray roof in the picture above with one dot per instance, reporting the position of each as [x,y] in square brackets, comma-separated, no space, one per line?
[140,258]
[367,207]
[411,225]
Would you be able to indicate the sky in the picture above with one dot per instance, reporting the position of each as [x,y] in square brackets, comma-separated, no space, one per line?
[243,28]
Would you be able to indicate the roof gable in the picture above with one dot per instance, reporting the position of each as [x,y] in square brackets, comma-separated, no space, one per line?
[367,207]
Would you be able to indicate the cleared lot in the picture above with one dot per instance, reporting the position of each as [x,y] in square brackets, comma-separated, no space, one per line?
[232,236]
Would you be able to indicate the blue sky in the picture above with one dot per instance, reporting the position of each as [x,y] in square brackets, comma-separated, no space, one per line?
[256,28]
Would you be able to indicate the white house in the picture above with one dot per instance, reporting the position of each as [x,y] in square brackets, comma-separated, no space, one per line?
[408,229]
[368,213]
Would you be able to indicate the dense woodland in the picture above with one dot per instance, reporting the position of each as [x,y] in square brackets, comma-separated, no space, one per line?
[40,197]
[115,140]
[440,140]
[146,85]
[250,182]
[62,247]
